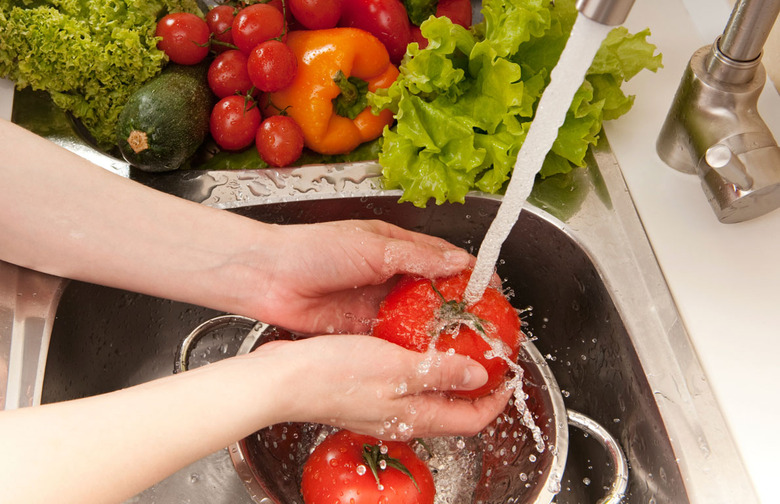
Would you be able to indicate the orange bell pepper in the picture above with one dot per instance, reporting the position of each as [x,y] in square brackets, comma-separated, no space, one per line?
[327,58]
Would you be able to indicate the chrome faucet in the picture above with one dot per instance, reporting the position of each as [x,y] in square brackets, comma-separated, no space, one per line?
[606,12]
[713,128]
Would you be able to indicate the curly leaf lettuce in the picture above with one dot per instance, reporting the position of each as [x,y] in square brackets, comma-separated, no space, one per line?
[464,103]
[90,55]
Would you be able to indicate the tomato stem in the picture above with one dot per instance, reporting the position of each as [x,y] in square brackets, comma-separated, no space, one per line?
[372,455]
[452,313]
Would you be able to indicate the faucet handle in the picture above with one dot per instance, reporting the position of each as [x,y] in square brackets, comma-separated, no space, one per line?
[720,158]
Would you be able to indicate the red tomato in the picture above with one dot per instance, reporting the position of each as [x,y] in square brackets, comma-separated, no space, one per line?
[316,14]
[385,19]
[414,310]
[234,122]
[417,36]
[228,74]
[272,66]
[184,38]
[459,11]
[279,140]
[337,473]
[255,24]
[220,22]
[284,8]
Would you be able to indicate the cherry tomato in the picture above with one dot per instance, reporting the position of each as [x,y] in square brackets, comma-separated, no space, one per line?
[316,14]
[385,19]
[255,24]
[459,11]
[279,140]
[184,38]
[284,8]
[417,305]
[220,22]
[234,122]
[338,473]
[272,66]
[228,74]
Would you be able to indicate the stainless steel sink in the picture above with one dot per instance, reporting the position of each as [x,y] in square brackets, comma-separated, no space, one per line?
[578,263]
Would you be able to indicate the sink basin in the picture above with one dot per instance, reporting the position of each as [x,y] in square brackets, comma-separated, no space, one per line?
[580,269]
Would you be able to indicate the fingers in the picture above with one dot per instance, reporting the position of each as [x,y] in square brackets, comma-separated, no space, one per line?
[441,416]
[417,253]
[424,259]
[437,371]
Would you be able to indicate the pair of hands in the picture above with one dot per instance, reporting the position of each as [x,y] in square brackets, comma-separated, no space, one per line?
[361,383]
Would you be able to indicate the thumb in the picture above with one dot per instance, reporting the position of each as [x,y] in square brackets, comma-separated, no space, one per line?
[449,372]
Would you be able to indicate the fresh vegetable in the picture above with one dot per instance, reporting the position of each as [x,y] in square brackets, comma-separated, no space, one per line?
[255,24]
[184,37]
[464,104]
[164,122]
[349,468]
[220,22]
[89,55]
[279,141]
[234,122]
[419,312]
[385,19]
[272,66]
[228,74]
[420,10]
[331,62]
[316,14]
[458,11]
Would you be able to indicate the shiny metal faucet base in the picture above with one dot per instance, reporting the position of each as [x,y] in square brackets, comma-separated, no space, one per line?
[714,130]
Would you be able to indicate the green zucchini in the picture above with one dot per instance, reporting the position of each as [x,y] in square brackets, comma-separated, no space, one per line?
[165,121]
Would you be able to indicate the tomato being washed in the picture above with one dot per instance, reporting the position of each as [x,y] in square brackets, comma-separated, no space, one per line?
[349,468]
[417,309]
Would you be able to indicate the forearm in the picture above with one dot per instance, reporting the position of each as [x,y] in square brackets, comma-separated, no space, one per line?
[110,447]
[63,215]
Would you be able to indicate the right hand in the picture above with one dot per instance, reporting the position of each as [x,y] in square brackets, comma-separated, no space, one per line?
[374,387]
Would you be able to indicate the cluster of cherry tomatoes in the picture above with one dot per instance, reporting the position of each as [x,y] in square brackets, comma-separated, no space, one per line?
[251,59]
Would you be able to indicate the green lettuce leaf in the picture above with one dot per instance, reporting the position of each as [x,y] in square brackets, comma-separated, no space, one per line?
[464,103]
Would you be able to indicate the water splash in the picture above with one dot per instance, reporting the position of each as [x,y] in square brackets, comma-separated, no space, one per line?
[565,79]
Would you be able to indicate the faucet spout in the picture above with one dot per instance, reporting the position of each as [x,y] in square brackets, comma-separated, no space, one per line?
[607,12]
[713,127]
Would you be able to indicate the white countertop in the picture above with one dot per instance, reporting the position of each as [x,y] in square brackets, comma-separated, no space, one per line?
[725,278]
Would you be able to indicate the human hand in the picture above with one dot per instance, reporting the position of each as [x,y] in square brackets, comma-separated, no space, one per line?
[331,277]
[374,387]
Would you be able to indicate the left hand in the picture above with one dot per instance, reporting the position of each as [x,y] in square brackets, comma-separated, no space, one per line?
[331,277]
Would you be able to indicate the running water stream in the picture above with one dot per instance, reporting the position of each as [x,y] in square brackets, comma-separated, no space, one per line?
[567,76]
[565,79]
